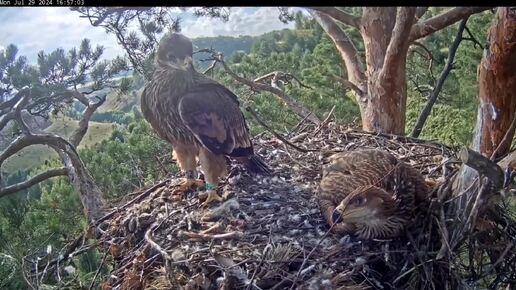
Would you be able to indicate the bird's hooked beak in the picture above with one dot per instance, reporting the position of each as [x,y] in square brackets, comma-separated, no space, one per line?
[351,215]
[181,64]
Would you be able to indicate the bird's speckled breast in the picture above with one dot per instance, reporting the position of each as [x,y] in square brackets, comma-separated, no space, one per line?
[162,96]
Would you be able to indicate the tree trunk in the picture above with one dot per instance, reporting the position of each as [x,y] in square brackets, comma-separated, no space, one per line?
[381,88]
[497,80]
[383,109]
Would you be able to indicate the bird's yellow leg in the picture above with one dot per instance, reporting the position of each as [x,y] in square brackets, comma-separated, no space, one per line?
[213,166]
[185,156]
[211,190]
[190,183]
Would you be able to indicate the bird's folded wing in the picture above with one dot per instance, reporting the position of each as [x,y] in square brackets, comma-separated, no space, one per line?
[212,113]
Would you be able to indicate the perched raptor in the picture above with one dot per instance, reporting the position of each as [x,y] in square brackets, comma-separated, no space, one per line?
[197,115]
[369,193]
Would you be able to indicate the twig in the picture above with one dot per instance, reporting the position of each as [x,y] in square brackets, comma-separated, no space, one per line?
[473,39]
[324,122]
[305,260]
[208,237]
[253,113]
[98,270]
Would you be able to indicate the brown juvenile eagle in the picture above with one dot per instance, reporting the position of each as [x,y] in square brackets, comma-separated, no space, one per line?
[369,193]
[197,115]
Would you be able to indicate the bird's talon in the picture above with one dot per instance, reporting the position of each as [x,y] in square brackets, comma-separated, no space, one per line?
[186,185]
[212,196]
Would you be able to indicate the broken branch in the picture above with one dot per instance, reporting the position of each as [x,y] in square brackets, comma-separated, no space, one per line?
[440,82]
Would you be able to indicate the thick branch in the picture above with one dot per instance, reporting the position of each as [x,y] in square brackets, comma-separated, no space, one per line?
[349,54]
[399,43]
[10,103]
[442,78]
[483,166]
[442,20]
[18,109]
[90,194]
[84,122]
[339,15]
[33,181]
[6,119]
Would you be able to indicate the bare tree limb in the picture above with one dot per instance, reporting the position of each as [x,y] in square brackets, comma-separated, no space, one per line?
[284,97]
[33,181]
[6,119]
[350,85]
[279,76]
[399,42]
[18,109]
[354,65]
[91,196]
[473,39]
[440,82]
[10,103]
[85,120]
[339,15]
[442,20]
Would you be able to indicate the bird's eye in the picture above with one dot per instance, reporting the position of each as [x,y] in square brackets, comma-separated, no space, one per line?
[336,217]
[171,56]
[359,201]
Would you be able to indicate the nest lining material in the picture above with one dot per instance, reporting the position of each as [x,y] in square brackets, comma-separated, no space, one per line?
[270,234]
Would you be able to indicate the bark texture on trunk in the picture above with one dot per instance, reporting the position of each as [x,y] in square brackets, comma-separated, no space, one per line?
[497,80]
[378,81]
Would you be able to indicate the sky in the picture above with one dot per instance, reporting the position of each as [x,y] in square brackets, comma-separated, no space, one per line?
[33,29]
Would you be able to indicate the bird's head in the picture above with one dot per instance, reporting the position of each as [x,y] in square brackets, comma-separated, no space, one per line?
[175,51]
[372,210]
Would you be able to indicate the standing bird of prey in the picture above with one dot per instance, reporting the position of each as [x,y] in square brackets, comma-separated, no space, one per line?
[369,193]
[198,116]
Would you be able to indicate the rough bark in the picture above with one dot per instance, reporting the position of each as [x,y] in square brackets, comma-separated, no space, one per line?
[381,88]
[497,80]
[497,108]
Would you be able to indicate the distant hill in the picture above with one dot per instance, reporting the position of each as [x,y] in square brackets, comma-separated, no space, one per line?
[36,155]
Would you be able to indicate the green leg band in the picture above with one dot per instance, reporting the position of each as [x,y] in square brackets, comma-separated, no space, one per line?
[210,186]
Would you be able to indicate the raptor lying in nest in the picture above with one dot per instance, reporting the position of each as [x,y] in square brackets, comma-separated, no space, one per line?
[370,193]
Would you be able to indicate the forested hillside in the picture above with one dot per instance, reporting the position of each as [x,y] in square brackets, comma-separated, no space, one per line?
[123,154]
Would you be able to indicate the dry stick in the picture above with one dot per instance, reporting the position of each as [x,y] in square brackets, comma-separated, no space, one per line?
[298,125]
[133,201]
[308,256]
[442,78]
[98,270]
[324,122]
[277,135]
[153,244]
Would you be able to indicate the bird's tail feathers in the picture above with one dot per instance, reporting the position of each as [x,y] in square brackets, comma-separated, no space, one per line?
[255,164]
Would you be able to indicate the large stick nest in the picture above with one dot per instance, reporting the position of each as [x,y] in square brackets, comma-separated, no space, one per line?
[270,234]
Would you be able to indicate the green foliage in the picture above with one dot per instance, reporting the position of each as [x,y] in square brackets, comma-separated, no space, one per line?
[130,159]
[453,117]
